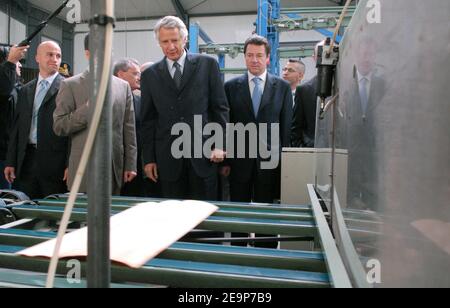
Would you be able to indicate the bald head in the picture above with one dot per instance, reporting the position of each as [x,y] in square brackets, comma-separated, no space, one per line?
[49,58]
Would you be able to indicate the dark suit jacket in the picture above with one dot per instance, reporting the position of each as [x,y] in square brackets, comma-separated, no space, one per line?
[8,99]
[305,112]
[8,78]
[138,118]
[52,152]
[276,107]
[360,133]
[163,106]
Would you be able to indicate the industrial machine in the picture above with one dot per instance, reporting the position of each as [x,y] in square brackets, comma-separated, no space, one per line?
[387,114]
[190,262]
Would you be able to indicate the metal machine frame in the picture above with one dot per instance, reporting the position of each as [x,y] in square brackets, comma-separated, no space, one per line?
[190,264]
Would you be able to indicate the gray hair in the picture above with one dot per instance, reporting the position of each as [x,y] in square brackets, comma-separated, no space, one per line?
[300,64]
[123,65]
[171,22]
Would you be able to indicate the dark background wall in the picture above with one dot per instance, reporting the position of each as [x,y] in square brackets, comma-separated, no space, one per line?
[58,30]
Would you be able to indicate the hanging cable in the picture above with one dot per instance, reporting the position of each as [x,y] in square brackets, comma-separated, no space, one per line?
[338,26]
[88,146]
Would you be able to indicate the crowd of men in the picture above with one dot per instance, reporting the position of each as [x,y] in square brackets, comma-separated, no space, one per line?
[44,123]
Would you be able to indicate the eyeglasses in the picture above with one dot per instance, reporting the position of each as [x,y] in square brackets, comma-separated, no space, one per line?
[290,70]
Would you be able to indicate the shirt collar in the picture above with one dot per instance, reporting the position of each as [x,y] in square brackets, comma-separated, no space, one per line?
[49,79]
[263,76]
[181,61]
[361,77]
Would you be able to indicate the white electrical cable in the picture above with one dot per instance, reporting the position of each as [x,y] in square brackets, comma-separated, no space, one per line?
[338,26]
[88,146]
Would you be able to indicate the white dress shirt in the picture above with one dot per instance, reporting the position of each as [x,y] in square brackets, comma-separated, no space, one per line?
[181,61]
[49,80]
[33,128]
[368,84]
[252,84]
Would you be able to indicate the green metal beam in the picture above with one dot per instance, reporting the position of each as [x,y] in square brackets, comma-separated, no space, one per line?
[302,52]
[308,23]
[279,259]
[225,224]
[336,268]
[22,279]
[233,50]
[248,212]
[220,204]
[316,10]
[234,71]
[186,274]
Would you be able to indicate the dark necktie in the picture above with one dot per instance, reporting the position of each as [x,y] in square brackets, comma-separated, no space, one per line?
[178,75]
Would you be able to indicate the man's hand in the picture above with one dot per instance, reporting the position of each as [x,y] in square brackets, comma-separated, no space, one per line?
[17,53]
[218,156]
[66,175]
[10,174]
[151,170]
[129,176]
[225,171]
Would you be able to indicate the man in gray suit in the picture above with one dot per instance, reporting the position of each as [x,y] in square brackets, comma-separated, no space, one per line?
[71,118]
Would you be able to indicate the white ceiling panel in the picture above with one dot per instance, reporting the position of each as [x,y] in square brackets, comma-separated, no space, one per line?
[155,8]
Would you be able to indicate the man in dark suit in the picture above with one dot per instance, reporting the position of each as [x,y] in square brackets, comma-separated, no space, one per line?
[9,87]
[305,112]
[175,91]
[129,70]
[361,104]
[35,154]
[258,98]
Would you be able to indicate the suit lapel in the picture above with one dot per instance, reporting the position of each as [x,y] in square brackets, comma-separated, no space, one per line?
[85,85]
[54,88]
[165,75]
[244,93]
[31,93]
[357,109]
[375,89]
[190,67]
[269,90]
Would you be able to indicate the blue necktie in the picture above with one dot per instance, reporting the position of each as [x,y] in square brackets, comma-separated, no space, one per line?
[257,95]
[43,89]
[363,94]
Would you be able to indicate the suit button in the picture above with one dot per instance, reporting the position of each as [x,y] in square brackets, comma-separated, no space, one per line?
[182,119]
[171,108]
[179,99]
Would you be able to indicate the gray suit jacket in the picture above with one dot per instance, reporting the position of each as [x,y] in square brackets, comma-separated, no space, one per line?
[72,116]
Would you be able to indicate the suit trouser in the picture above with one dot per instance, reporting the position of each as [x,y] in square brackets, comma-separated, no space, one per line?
[3,183]
[261,188]
[140,186]
[33,184]
[190,186]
